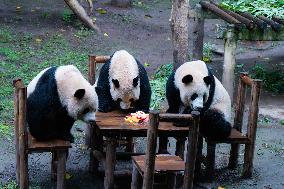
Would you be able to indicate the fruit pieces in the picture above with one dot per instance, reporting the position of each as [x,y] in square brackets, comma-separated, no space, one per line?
[137,117]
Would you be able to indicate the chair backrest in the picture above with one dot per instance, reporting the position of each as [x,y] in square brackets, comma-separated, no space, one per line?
[93,60]
[152,132]
[255,84]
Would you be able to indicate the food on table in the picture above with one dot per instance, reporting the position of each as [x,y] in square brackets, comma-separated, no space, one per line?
[138,117]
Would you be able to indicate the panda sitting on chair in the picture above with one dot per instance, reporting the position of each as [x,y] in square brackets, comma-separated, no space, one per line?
[193,87]
[123,84]
[57,97]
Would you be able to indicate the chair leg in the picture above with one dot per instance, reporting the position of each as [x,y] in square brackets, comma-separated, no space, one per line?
[171,180]
[248,161]
[210,160]
[24,174]
[54,162]
[129,145]
[234,155]
[61,168]
[136,178]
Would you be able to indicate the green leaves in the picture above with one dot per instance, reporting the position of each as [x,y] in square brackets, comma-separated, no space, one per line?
[158,85]
[267,8]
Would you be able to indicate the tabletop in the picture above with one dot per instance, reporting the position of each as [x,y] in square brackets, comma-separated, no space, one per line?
[113,123]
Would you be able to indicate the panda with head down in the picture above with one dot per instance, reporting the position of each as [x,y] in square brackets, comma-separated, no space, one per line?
[193,87]
[123,84]
[57,97]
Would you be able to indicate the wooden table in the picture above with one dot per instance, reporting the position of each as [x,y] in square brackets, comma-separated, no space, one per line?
[113,126]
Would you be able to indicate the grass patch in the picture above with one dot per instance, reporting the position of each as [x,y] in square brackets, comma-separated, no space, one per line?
[158,85]
[273,80]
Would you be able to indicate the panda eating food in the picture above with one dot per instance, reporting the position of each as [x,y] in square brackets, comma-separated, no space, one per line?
[123,84]
[193,87]
[57,97]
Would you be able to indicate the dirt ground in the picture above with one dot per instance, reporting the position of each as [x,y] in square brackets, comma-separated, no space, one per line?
[145,32]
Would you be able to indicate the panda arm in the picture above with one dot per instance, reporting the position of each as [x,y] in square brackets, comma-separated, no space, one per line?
[173,95]
[214,126]
[143,103]
[103,90]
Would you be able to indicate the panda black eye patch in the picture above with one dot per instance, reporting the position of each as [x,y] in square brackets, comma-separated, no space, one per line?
[86,110]
[194,96]
[116,83]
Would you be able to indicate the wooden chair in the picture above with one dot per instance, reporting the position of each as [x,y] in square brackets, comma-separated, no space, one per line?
[91,134]
[26,144]
[151,164]
[237,137]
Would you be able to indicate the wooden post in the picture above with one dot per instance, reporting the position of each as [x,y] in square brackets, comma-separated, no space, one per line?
[228,77]
[61,168]
[197,35]
[152,132]
[191,152]
[180,147]
[121,3]
[110,163]
[90,133]
[210,160]
[16,123]
[238,121]
[136,178]
[179,26]
[251,128]
[24,177]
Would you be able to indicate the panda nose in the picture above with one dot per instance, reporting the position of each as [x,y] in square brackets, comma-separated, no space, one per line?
[92,122]
[199,108]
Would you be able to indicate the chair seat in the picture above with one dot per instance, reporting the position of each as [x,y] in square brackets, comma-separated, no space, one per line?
[235,137]
[163,163]
[34,145]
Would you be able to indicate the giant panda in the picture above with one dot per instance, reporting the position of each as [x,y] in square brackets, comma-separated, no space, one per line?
[193,87]
[57,97]
[123,84]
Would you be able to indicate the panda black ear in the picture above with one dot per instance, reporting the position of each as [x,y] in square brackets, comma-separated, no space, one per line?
[207,80]
[135,81]
[79,93]
[116,83]
[187,79]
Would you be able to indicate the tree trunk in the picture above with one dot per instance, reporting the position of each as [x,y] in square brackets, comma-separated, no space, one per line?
[121,3]
[179,26]
[81,13]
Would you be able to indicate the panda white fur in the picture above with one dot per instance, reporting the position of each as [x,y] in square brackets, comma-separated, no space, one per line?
[57,97]
[193,87]
[123,84]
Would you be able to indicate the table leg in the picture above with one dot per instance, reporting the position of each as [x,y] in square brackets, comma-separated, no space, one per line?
[180,147]
[95,143]
[163,145]
[110,163]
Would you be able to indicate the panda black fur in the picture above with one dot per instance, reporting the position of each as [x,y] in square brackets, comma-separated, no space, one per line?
[193,87]
[57,97]
[123,84]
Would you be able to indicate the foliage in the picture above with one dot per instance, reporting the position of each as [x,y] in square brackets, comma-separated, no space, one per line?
[207,52]
[158,85]
[267,8]
[10,185]
[272,80]
[68,16]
